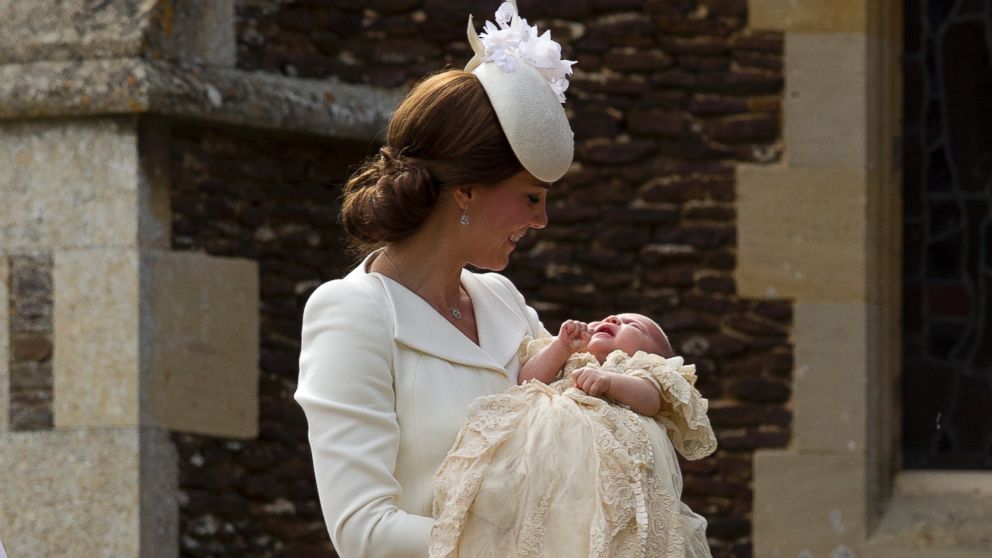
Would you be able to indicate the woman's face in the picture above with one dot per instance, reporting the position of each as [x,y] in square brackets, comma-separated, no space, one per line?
[501,215]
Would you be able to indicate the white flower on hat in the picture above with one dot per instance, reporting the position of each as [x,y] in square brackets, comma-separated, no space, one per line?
[512,39]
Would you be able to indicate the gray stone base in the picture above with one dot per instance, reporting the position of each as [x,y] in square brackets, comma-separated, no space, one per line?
[94,493]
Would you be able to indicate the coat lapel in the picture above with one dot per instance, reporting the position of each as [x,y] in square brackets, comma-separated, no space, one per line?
[417,325]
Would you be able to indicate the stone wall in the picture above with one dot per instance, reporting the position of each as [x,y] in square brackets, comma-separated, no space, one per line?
[273,200]
[30,327]
[668,96]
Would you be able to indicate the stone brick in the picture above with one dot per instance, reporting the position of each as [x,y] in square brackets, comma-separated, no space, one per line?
[669,7]
[643,215]
[752,439]
[700,236]
[700,467]
[711,302]
[681,26]
[748,81]
[612,280]
[710,211]
[706,105]
[588,124]
[760,390]
[675,78]
[670,277]
[714,346]
[745,128]
[752,325]
[760,60]
[403,51]
[36,347]
[725,8]
[779,310]
[714,487]
[776,363]
[736,414]
[772,42]
[622,238]
[728,528]
[685,319]
[627,29]
[703,45]
[654,255]
[629,59]
[607,5]
[660,123]
[392,6]
[675,188]
[606,259]
[616,153]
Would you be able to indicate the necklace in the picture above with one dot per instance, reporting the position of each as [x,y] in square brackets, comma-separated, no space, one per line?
[455,312]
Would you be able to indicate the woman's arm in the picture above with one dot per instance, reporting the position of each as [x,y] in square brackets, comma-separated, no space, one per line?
[346,391]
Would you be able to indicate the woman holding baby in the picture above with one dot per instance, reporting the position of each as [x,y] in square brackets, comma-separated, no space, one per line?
[400,353]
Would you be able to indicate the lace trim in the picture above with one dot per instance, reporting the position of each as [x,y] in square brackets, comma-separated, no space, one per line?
[635,514]
[684,414]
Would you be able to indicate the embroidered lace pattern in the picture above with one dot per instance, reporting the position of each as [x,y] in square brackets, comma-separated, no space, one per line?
[535,466]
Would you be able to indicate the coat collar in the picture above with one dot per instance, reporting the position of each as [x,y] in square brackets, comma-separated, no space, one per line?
[418,325]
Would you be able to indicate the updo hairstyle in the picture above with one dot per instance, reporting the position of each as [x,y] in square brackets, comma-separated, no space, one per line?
[443,134]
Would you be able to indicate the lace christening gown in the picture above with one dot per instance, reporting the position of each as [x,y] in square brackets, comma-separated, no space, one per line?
[547,470]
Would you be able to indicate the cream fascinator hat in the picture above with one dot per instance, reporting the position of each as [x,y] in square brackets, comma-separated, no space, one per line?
[525,78]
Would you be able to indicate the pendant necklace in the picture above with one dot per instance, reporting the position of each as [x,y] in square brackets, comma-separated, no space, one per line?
[455,312]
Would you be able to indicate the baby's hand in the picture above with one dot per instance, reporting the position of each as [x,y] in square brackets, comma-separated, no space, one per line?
[592,381]
[573,335]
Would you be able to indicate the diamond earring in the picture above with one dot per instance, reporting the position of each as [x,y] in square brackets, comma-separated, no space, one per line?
[464,218]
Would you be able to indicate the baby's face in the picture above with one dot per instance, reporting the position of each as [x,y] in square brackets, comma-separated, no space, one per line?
[629,333]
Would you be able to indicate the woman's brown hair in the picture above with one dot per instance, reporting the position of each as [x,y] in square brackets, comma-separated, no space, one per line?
[443,134]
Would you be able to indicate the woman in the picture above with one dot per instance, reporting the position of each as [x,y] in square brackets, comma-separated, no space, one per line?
[393,353]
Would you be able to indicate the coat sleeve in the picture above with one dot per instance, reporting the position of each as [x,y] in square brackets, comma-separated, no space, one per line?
[346,390]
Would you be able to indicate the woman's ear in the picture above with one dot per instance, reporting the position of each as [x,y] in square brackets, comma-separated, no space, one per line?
[463,196]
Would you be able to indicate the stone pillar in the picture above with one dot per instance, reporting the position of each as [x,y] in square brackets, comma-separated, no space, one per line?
[124,340]
[823,229]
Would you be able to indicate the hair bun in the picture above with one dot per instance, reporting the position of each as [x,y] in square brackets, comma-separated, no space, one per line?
[394,193]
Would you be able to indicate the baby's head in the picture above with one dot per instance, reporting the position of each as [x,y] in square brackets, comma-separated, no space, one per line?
[629,333]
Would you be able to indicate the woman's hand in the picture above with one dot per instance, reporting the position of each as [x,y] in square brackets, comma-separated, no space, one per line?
[573,335]
[592,381]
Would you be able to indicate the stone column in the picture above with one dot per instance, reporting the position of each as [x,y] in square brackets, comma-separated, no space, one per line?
[108,340]
[823,230]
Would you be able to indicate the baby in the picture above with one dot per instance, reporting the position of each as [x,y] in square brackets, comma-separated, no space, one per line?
[548,468]
[629,333]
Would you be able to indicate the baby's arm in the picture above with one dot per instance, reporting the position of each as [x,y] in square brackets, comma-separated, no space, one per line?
[637,393]
[544,365]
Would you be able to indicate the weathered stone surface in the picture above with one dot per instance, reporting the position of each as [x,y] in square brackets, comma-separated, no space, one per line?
[653,255]
[660,123]
[179,30]
[114,486]
[131,85]
[760,390]
[68,185]
[200,336]
[751,439]
[616,153]
[4,344]
[594,123]
[629,59]
[745,129]
[96,323]
[29,342]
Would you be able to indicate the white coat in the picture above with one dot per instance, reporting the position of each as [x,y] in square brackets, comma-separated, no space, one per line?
[385,382]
